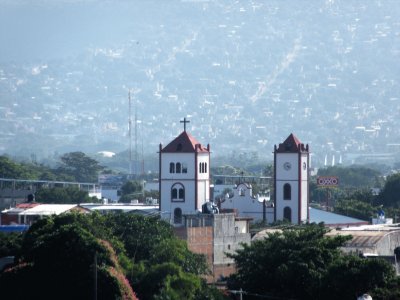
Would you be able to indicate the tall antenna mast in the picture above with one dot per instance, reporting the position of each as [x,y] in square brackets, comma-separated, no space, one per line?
[136,149]
[130,134]
[141,134]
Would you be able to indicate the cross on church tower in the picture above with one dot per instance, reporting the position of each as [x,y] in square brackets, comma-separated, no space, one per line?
[184,123]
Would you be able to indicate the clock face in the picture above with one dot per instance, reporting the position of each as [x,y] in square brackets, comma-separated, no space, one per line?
[287,166]
[304,165]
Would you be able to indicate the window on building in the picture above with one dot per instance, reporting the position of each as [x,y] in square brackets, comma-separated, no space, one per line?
[172,168]
[287,214]
[174,193]
[203,167]
[287,191]
[181,194]
[177,216]
[184,167]
[178,167]
[178,193]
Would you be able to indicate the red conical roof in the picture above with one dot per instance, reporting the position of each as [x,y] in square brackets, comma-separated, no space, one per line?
[291,144]
[184,143]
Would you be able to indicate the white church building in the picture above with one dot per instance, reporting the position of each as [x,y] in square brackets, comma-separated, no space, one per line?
[291,183]
[291,188]
[184,168]
[184,179]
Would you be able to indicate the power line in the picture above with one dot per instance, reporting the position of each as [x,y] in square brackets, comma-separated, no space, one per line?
[241,293]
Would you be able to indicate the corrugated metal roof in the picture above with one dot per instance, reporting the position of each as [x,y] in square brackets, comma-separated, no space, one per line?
[329,218]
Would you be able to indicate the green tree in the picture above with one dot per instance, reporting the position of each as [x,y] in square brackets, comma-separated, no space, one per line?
[63,255]
[176,251]
[163,265]
[140,234]
[15,170]
[296,263]
[168,281]
[131,190]
[10,244]
[390,194]
[58,195]
[356,209]
[138,247]
[353,176]
[80,166]
[300,262]
[351,276]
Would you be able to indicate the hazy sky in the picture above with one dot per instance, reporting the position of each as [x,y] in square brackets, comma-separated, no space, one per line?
[49,30]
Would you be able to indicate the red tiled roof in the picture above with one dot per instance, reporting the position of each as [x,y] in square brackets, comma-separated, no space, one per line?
[184,143]
[291,144]
[27,205]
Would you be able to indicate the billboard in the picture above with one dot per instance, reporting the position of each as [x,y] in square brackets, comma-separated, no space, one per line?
[327,181]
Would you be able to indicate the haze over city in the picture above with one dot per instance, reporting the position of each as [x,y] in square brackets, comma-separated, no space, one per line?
[245,73]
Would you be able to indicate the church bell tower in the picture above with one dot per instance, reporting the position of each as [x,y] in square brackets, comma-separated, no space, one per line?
[184,177]
[291,184]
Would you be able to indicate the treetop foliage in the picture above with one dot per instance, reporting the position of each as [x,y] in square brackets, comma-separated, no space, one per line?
[130,250]
[353,176]
[302,263]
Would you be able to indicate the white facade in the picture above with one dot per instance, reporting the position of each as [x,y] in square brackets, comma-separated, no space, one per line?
[184,178]
[291,185]
[247,205]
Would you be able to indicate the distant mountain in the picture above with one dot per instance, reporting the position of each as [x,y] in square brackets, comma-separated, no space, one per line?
[246,74]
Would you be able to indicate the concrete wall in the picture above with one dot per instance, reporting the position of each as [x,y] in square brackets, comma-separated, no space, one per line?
[227,238]
[388,243]
[213,235]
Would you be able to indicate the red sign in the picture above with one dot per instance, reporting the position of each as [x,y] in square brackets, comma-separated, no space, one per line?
[328,181]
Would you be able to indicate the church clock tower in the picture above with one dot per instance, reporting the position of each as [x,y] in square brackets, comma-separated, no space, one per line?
[291,184]
[184,177]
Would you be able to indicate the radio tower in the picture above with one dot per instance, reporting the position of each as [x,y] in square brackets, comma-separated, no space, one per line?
[136,150]
[130,134]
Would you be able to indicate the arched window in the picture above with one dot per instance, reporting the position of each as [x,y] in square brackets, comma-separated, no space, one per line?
[287,191]
[200,167]
[184,167]
[172,168]
[205,167]
[177,193]
[287,214]
[174,193]
[178,167]
[181,193]
[177,216]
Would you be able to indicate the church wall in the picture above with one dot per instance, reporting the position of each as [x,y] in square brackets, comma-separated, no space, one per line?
[293,203]
[246,205]
[203,158]
[304,205]
[304,186]
[167,206]
[187,158]
[203,192]
[281,172]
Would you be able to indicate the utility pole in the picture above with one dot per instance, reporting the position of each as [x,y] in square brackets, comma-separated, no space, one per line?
[95,276]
